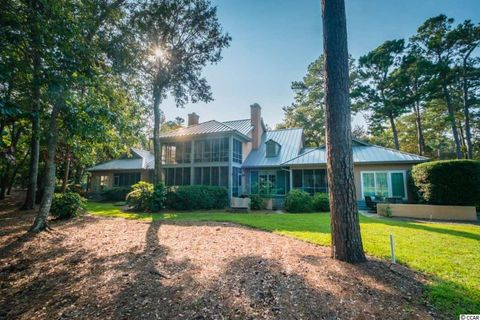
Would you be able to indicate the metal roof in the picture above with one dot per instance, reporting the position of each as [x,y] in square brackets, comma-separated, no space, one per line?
[119,164]
[243,126]
[212,126]
[290,140]
[138,162]
[365,153]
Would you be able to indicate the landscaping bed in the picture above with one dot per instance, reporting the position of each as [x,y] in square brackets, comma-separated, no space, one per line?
[109,268]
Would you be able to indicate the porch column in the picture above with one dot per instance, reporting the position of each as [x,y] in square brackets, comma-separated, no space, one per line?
[291,178]
[230,169]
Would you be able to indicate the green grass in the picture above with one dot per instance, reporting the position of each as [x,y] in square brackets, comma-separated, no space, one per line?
[448,253]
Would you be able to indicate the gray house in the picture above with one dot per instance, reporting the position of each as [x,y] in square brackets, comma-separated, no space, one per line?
[244,157]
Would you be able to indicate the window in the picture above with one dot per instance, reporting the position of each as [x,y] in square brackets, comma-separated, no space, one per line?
[237,151]
[211,176]
[383,184]
[273,148]
[176,176]
[269,182]
[311,181]
[236,181]
[212,150]
[103,182]
[176,152]
[125,179]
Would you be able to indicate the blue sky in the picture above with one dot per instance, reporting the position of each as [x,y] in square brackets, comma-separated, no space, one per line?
[273,42]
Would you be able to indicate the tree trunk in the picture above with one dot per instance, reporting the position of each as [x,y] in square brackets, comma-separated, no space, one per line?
[418,121]
[5,177]
[41,184]
[40,222]
[345,227]
[451,115]
[4,181]
[78,174]
[66,173]
[395,131]
[466,114]
[30,199]
[15,171]
[156,135]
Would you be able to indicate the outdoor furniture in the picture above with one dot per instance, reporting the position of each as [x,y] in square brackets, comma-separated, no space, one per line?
[370,203]
[394,200]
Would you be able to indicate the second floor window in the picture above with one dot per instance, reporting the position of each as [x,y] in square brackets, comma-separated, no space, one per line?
[176,152]
[211,150]
[237,151]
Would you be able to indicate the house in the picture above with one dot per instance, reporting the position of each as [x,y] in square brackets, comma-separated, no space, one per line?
[246,158]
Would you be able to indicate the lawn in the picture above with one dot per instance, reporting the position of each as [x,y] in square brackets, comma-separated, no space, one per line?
[448,253]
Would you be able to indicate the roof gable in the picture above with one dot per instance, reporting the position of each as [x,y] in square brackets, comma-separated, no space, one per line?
[291,144]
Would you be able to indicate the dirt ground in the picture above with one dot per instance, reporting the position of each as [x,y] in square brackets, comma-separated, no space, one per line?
[104,268]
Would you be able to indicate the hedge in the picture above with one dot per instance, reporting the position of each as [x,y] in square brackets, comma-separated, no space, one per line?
[448,182]
[298,201]
[197,198]
[321,202]
[115,194]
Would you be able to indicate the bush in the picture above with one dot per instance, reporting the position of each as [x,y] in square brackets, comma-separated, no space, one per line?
[158,198]
[298,201]
[115,194]
[450,182]
[257,202]
[140,198]
[196,198]
[320,202]
[66,205]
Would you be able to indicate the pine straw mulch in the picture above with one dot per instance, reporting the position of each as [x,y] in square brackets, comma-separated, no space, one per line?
[108,268]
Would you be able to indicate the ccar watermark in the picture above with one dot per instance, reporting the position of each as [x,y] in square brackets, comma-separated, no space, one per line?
[469,317]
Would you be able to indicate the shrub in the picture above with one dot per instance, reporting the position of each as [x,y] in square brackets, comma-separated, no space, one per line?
[140,198]
[385,211]
[257,202]
[115,194]
[320,202]
[298,201]
[197,197]
[450,182]
[158,198]
[66,205]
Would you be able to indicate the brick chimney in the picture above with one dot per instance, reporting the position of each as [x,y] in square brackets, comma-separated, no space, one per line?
[256,121]
[193,119]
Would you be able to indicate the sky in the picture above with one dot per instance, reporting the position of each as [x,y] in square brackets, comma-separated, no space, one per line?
[274,41]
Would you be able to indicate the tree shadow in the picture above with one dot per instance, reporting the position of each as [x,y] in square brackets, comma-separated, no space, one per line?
[153,281]
[252,287]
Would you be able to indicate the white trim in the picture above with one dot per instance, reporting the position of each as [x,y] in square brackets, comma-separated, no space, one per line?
[389,181]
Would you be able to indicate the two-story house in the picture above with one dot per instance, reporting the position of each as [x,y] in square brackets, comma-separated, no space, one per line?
[244,157]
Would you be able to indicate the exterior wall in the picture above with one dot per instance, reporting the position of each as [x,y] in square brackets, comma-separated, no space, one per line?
[358,168]
[145,175]
[95,180]
[246,149]
[423,211]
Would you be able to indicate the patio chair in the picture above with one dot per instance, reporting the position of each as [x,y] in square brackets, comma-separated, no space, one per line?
[394,200]
[370,203]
